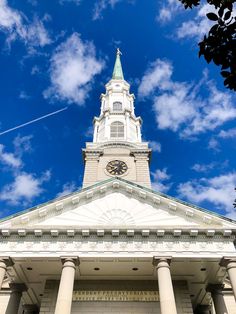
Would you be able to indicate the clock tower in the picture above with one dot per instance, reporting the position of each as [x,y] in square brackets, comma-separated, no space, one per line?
[117,149]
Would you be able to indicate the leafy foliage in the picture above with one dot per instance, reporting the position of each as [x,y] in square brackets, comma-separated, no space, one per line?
[219,45]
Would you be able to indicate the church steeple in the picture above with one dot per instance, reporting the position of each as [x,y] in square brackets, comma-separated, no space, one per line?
[117,148]
[118,72]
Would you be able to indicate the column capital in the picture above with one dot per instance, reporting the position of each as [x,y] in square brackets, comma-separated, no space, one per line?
[6,260]
[225,261]
[141,154]
[18,287]
[92,154]
[215,288]
[157,260]
[74,259]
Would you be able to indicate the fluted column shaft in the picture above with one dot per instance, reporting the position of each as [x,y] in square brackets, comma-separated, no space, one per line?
[231,269]
[166,292]
[4,263]
[218,298]
[230,265]
[3,268]
[65,292]
[16,293]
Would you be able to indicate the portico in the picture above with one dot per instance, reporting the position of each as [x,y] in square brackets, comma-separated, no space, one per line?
[159,274]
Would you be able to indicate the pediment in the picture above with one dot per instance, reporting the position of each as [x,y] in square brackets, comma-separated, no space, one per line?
[117,204]
[117,210]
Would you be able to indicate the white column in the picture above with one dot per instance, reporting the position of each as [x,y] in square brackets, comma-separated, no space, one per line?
[3,268]
[218,298]
[4,263]
[166,292]
[65,292]
[107,129]
[139,133]
[230,264]
[127,117]
[15,297]
[95,132]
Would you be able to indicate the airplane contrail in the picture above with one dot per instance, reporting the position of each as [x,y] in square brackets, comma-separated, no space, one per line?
[32,121]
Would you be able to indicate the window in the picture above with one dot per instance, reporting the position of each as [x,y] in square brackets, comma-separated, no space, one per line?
[117,130]
[117,106]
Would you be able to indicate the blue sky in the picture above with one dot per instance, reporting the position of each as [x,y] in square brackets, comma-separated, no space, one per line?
[59,54]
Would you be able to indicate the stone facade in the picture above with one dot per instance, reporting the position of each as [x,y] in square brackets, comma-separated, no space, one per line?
[183,301]
[136,161]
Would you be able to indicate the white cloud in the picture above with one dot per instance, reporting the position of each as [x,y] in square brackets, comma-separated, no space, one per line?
[231,133]
[9,159]
[214,144]
[89,132]
[14,160]
[155,146]
[73,67]
[218,190]
[37,34]
[198,26]
[160,180]
[23,95]
[16,26]
[22,144]
[67,189]
[35,70]
[33,2]
[169,9]
[158,75]
[77,2]
[178,106]
[203,167]
[24,188]
[101,5]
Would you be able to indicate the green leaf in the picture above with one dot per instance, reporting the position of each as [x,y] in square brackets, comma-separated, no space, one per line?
[212,16]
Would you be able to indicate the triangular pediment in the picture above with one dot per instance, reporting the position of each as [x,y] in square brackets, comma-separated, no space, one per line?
[117,204]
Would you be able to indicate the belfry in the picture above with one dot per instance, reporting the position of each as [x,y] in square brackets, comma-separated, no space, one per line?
[117,148]
[117,246]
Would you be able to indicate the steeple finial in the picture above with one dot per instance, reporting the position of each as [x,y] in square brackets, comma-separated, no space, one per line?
[118,52]
[118,72]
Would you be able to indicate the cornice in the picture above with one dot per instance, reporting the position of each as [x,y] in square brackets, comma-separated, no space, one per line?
[129,232]
[101,145]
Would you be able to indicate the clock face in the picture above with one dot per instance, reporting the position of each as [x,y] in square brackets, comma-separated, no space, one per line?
[116,167]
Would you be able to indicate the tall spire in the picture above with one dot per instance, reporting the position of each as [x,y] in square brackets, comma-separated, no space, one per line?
[118,72]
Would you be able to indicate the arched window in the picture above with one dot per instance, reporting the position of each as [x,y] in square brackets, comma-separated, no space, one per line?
[117,106]
[117,130]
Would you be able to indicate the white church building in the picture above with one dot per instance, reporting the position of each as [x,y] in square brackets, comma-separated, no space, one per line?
[117,246]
